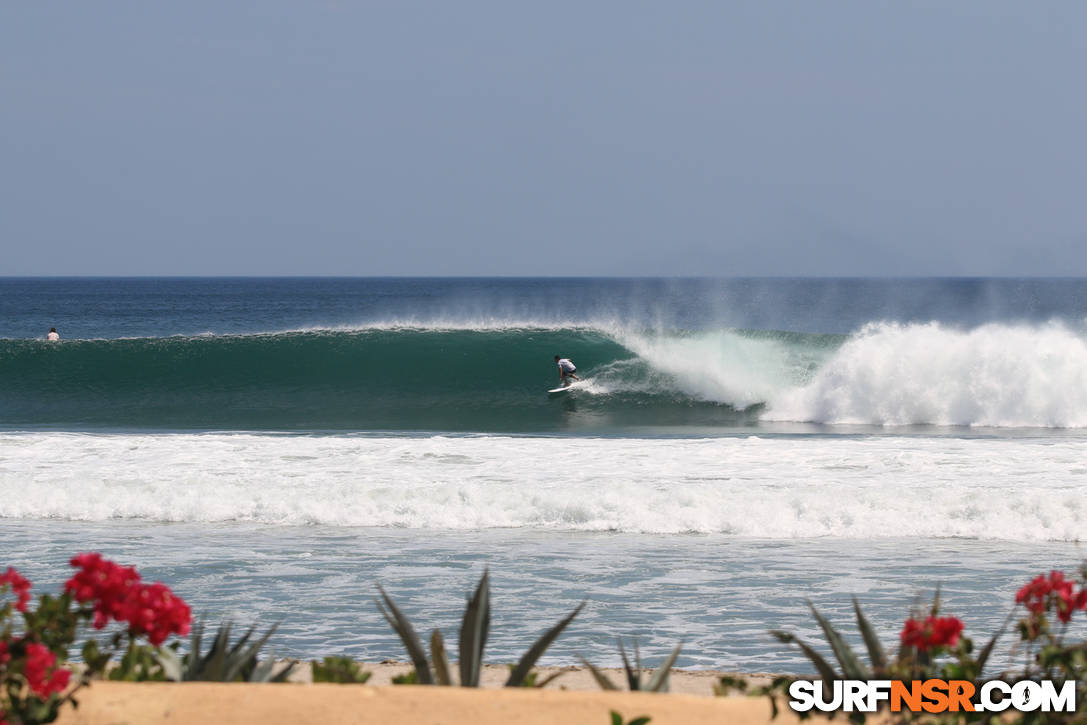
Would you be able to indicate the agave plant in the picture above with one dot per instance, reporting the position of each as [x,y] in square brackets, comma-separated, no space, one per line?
[223,662]
[657,683]
[878,667]
[473,638]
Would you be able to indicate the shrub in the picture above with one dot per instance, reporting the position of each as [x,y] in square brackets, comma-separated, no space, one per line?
[223,662]
[34,683]
[342,670]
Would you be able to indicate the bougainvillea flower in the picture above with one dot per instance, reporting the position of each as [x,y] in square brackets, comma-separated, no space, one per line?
[932,632]
[20,586]
[1042,592]
[118,595]
[41,676]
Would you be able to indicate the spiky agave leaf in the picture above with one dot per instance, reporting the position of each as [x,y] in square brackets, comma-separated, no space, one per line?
[223,662]
[876,655]
[634,675]
[196,639]
[242,659]
[851,666]
[473,632]
[601,679]
[528,659]
[402,626]
[212,667]
[439,660]
[659,681]
[983,656]
[540,684]
[265,670]
[617,719]
[821,665]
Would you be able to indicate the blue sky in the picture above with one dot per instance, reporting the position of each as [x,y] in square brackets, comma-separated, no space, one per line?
[498,138]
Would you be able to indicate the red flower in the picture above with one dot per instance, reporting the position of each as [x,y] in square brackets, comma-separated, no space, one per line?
[39,662]
[5,655]
[933,632]
[118,594]
[103,582]
[1042,592]
[152,609]
[20,586]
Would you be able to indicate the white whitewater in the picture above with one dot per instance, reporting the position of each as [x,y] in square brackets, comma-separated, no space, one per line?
[1012,489]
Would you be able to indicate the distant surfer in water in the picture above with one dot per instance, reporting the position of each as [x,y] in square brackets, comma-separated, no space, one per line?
[53,334]
[566,370]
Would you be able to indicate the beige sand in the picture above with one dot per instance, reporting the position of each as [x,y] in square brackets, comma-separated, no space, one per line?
[122,703]
[573,678]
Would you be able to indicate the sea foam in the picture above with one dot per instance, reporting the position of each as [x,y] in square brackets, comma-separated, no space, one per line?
[994,375]
[1011,489]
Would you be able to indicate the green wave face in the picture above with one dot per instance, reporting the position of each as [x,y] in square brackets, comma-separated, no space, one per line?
[375,379]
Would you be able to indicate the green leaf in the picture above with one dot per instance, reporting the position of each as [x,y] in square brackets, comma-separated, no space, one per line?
[473,632]
[540,684]
[243,659]
[851,666]
[403,628]
[528,660]
[408,678]
[659,681]
[634,676]
[983,656]
[824,669]
[600,677]
[196,641]
[439,659]
[213,666]
[263,671]
[338,669]
[876,655]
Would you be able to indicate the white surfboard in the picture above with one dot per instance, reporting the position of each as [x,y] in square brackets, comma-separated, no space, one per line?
[563,390]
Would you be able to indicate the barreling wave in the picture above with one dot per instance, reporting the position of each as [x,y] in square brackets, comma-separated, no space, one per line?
[492,378]
[387,378]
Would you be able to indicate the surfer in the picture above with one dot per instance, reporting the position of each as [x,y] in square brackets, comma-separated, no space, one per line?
[53,334]
[566,370]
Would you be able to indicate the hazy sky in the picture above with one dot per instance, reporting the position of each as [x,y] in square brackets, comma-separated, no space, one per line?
[571,138]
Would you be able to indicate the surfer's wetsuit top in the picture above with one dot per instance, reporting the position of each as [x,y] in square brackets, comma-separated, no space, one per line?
[566,367]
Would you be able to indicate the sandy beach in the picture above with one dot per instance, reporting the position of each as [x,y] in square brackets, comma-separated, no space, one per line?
[573,678]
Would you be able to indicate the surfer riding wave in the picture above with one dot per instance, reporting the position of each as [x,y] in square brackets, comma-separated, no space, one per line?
[566,370]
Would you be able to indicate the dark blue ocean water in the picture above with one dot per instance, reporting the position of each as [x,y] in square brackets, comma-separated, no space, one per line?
[156,307]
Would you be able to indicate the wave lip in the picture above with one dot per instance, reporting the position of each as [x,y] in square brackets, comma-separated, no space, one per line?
[785,488]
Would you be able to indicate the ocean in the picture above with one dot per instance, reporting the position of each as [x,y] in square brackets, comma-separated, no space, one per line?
[273,448]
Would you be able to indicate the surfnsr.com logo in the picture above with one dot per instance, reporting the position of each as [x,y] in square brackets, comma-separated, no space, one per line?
[933,696]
